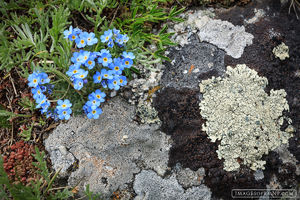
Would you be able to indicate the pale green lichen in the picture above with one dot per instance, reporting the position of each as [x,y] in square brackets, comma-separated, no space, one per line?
[147,113]
[281,51]
[243,117]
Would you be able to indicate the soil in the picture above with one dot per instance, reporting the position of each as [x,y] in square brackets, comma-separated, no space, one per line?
[13,91]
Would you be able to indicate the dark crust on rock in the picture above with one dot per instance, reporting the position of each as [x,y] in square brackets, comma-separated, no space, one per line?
[196,55]
[180,116]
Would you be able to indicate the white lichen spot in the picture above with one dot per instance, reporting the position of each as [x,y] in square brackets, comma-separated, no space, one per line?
[259,13]
[243,117]
[223,34]
[147,113]
[281,51]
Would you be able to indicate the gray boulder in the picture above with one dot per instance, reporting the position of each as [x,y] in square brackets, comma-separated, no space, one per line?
[110,150]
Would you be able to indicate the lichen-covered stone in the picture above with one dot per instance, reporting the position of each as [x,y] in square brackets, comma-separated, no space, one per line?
[233,39]
[223,34]
[188,178]
[281,51]
[147,113]
[111,149]
[61,159]
[243,117]
[197,61]
[149,186]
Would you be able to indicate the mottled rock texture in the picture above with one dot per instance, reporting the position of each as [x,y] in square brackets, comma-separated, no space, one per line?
[223,34]
[191,64]
[149,186]
[111,149]
[233,39]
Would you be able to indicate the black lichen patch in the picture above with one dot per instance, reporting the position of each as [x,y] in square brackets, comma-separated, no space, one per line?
[176,108]
[187,65]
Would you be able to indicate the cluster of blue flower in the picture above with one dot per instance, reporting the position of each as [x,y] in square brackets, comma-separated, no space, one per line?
[37,81]
[109,73]
[81,38]
[111,36]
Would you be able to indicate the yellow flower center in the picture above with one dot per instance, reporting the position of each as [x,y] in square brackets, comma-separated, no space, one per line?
[121,81]
[77,59]
[106,38]
[75,71]
[99,78]
[89,39]
[64,105]
[82,41]
[85,57]
[64,112]
[105,75]
[39,92]
[98,96]
[34,80]
[94,101]
[105,59]
[126,62]
[115,82]
[90,62]
[81,76]
[117,68]
[73,37]
[94,111]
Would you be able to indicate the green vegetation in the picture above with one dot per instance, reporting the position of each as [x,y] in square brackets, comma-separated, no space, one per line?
[31,35]
[31,32]
[31,38]
[39,189]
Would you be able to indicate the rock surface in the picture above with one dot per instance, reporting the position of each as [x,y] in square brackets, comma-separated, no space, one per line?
[149,186]
[188,178]
[117,154]
[111,149]
[188,65]
[232,39]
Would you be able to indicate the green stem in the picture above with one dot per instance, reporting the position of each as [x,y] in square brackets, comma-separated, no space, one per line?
[58,73]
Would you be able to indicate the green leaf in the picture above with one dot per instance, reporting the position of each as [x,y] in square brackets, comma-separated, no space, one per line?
[10,115]
[134,12]
[41,164]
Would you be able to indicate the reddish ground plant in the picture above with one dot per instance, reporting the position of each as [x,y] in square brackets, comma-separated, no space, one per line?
[17,162]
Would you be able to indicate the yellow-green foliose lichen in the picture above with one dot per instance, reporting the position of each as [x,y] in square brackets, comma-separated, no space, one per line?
[281,51]
[243,117]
